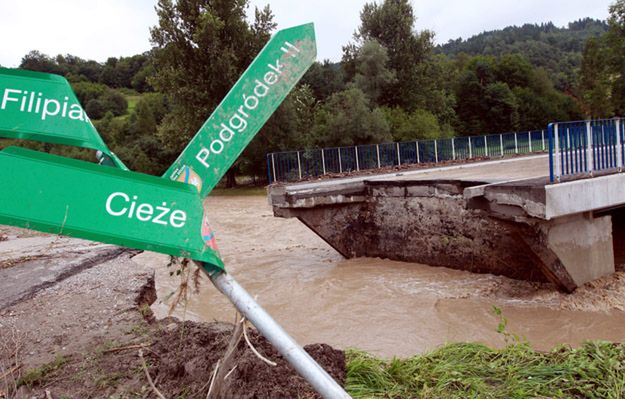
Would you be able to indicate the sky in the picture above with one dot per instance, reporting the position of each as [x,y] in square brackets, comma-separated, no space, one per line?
[98,29]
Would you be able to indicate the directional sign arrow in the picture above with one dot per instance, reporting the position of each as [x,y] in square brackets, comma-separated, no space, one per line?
[245,109]
[43,107]
[75,198]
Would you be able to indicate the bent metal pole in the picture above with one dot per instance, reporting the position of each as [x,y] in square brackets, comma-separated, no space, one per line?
[305,365]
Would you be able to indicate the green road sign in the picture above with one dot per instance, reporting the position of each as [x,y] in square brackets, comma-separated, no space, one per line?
[43,107]
[244,110]
[80,199]
[74,198]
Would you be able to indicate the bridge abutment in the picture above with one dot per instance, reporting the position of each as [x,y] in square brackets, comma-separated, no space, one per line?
[498,228]
[573,250]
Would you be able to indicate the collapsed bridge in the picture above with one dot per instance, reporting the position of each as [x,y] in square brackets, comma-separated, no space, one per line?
[501,216]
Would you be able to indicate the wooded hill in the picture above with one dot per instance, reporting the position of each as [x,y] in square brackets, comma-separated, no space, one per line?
[557,50]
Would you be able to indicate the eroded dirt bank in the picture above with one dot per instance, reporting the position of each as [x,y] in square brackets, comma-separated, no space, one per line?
[78,335]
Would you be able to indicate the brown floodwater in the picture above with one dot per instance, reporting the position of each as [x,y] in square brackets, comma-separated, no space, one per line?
[385,307]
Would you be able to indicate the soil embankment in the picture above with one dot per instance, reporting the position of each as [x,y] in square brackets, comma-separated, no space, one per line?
[77,334]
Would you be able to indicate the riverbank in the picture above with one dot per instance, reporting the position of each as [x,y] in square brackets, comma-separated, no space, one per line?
[78,335]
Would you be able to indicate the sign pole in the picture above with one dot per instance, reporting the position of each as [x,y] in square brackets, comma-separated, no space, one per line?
[301,361]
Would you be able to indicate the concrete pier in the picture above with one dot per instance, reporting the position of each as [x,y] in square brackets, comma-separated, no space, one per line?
[495,217]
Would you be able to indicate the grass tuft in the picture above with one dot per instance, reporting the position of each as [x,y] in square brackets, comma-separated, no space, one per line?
[469,370]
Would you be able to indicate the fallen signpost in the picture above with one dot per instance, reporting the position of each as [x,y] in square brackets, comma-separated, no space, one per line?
[114,205]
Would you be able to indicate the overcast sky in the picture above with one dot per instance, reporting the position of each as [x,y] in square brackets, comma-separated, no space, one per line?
[98,29]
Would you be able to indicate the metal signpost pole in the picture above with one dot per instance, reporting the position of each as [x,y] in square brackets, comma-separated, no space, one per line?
[305,365]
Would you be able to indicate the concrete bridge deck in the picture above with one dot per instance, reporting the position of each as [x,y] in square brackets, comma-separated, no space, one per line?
[496,216]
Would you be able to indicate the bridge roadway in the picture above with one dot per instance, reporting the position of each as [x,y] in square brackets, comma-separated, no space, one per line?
[499,170]
[497,216]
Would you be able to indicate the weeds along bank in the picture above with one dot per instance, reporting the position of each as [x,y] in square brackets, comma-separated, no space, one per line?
[466,370]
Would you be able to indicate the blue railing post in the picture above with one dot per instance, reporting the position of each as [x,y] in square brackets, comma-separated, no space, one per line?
[550,136]
[619,147]
[268,169]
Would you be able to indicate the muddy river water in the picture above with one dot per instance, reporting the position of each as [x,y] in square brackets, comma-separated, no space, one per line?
[385,307]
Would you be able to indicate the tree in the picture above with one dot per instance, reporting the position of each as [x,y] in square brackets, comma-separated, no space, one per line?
[95,109]
[614,41]
[391,23]
[325,79]
[200,48]
[420,124]
[289,128]
[594,85]
[502,108]
[39,62]
[556,50]
[507,93]
[372,75]
[347,119]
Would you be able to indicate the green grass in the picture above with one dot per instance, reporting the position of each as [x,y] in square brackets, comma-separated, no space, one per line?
[469,370]
[36,376]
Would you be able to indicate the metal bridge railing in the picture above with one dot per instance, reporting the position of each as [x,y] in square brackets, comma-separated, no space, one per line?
[298,165]
[584,147]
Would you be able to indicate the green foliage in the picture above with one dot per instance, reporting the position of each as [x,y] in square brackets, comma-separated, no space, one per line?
[134,139]
[201,48]
[128,72]
[505,94]
[325,79]
[372,75]
[347,118]
[594,86]
[391,23]
[466,370]
[419,124]
[37,376]
[98,99]
[601,87]
[87,91]
[95,109]
[39,62]
[557,50]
